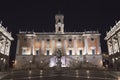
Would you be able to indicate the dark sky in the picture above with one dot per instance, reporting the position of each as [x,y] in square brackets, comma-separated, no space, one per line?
[79,15]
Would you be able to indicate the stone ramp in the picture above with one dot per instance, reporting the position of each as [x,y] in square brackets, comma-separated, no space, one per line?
[3,74]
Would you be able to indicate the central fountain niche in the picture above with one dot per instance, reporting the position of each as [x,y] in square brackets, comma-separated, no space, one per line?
[58,60]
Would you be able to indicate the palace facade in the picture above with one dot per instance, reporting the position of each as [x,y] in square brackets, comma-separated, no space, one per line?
[5,43]
[113,43]
[39,49]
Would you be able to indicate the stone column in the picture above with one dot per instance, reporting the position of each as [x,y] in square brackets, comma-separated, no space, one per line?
[4,59]
[53,46]
[32,45]
[42,44]
[112,45]
[18,46]
[1,44]
[86,45]
[109,43]
[108,46]
[75,46]
[118,39]
[99,46]
[5,46]
[65,46]
[8,47]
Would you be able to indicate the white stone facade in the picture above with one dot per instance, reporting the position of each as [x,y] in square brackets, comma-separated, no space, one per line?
[113,43]
[5,43]
[43,46]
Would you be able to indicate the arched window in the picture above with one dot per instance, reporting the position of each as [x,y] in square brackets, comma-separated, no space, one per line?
[59,20]
[59,29]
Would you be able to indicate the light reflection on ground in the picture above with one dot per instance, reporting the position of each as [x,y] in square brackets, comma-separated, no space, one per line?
[60,75]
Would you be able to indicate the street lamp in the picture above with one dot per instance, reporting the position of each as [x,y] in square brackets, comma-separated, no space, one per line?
[87,63]
[41,64]
[30,63]
[1,62]
[13,64]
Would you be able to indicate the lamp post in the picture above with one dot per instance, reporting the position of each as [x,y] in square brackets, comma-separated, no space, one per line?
[13,64]
[1,62]
[41,63]
[30,63]
[87,64]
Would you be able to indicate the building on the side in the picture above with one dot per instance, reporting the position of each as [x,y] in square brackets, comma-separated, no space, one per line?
[113,43]
[39,49]
[5,43]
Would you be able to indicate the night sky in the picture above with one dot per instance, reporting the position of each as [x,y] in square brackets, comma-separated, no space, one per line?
[39,16]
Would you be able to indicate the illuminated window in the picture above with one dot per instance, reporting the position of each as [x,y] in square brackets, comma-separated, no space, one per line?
[24,51]
[70,52]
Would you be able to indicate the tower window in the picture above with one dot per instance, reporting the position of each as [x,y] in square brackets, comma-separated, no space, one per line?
[80,52]
[59,29]
[59,20]
[70,52]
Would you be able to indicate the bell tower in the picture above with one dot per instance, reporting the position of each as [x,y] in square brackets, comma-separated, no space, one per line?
[59,23]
